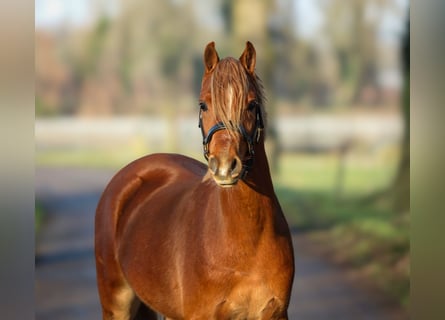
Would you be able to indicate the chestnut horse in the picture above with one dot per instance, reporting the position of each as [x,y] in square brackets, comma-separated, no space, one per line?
[184,240]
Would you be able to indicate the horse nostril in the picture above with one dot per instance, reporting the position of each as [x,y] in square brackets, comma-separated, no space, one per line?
[233,166]
[213,164]
[236,167]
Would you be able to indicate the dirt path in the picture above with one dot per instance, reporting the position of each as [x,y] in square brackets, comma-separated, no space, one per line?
[65,272]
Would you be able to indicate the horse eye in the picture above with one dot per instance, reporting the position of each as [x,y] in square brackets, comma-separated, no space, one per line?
[203,106]
[252,105]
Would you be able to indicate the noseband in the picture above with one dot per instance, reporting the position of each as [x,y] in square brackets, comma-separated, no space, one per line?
[250,139]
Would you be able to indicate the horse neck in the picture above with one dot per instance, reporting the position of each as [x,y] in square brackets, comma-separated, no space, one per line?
[251,206]
[259,177]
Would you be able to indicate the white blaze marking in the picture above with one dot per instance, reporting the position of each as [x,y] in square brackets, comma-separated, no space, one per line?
[230,97]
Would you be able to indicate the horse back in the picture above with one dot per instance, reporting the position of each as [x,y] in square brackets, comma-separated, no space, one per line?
[138,180]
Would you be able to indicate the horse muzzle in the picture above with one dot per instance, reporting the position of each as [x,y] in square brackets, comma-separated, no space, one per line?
[226,170]
[227,167]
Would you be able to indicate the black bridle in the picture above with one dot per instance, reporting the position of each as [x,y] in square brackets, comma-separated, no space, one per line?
[250,139]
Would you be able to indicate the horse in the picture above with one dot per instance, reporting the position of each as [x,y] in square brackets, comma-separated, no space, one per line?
[181,239]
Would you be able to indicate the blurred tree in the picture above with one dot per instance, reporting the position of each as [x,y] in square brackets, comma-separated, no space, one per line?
[52,76]
[398,192]
[95,45]
[401,184]
[227,14]
[134,62]
[279,68]
[352,26]
[271,35]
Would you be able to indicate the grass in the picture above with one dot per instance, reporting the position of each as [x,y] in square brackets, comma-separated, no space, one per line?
[104,158]
[113,158]
[368,236]
[319,172]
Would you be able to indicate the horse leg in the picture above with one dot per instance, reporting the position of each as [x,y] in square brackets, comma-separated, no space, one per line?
[285,316]
[125,306]
[274,311]
[145,313]
[117,298]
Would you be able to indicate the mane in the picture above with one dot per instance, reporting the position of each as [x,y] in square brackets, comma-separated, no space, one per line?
[229,85]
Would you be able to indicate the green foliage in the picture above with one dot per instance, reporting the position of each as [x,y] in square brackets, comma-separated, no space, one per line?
[39,216]
[97,40]
[366,235]
[94,46]
[171,57]
[43,109]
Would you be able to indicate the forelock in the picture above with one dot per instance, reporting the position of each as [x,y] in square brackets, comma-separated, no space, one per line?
[229,88]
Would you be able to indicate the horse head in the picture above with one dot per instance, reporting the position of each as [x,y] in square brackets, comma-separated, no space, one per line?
[231,114]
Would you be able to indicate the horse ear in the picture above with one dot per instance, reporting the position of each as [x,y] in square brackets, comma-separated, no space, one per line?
[211,57]
[248,58]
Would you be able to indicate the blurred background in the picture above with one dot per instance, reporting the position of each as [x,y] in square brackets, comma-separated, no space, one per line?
[116,80]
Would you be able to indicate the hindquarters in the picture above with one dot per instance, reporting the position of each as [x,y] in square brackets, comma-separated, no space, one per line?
[120,208]
[118,300]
